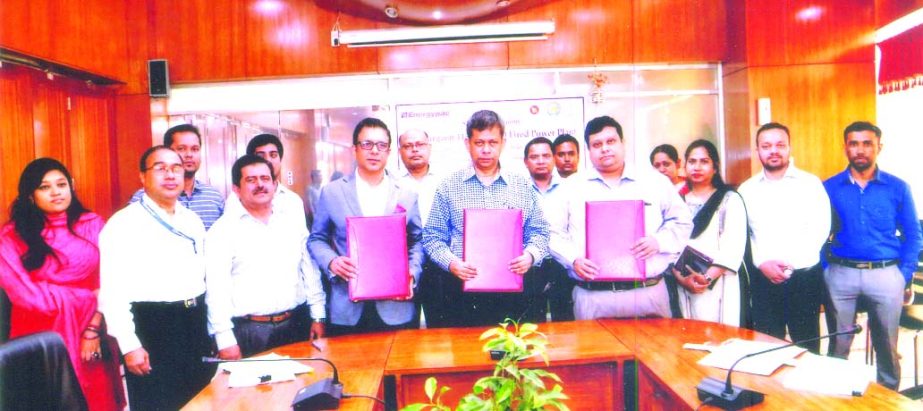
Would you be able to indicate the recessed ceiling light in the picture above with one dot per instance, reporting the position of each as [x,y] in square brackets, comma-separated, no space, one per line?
[437,15]
[503,3]
[391,11]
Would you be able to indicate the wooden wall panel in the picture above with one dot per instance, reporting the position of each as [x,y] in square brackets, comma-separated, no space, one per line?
[805,32]
[84,34]
[738,111]
[736,36]
[446,56]
[89,151]
[586,31]
[295,40]
[131,136]
[817,102]
[16,142]
[890,10]
[679,31]
[202,39]
[49,119]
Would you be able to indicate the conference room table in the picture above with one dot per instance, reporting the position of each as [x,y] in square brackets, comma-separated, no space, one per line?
[604,364]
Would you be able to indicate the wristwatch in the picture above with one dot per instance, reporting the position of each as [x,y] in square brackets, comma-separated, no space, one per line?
[708,278]
[319,320]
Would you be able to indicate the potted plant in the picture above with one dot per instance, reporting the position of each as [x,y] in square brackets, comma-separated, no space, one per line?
[509,387]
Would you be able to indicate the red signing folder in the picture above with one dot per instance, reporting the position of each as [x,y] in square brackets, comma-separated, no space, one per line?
[612,228]
[492,238]
[378,247]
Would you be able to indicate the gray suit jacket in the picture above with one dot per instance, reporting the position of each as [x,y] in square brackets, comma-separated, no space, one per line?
[339,200]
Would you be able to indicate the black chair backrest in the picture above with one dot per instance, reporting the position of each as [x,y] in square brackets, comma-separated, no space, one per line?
[5,307]
[36,374]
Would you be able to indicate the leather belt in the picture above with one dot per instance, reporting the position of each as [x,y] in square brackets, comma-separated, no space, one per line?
[270,318]
[863,265]
[618,285]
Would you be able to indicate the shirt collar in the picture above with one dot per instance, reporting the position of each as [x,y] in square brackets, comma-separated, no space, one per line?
[469,173]
[876,177]
[790,172]
[628,173]
[555,181]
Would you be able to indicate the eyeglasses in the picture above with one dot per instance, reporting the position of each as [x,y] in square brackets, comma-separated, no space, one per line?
[161,169]
[410,146]
[367,145]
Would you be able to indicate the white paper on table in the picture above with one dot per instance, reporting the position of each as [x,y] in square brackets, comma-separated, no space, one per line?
[724,356]
[250,373]
[830,376]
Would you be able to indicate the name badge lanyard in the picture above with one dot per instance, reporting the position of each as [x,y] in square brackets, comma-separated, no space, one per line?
[168,226]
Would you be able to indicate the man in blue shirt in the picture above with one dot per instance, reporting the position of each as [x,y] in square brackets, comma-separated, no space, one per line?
[203,199]
[484,184]
[868,259]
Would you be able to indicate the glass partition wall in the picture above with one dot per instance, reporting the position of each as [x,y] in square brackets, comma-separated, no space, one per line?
[315,117]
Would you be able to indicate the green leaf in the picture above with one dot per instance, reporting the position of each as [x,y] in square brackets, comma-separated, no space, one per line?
[491,332]
[415,407]
[505,391]
[430,388]
[527,328]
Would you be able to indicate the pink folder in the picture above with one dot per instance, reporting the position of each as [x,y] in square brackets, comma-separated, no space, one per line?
[492,238]
[612,228]
[378,246]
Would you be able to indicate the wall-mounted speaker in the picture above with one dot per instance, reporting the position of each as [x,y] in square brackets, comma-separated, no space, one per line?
[158,78]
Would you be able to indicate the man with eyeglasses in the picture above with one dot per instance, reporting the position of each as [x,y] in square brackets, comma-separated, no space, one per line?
[370,191]
[263,289]
[482,185]
[152,288]
[667,222]
[201,198]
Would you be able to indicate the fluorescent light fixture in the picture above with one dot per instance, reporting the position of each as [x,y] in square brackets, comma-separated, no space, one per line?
[474,33]
[899,26]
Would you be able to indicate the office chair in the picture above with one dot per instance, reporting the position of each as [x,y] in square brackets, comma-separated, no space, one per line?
[36,374]
[5,307]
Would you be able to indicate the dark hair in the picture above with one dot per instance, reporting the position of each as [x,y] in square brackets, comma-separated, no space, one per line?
[564,138]
[29,220]
[249,160]
[703,217]
[370,122]
[264,139]
[484,120]
[182,128]
[598,124]
[534,141]
[142,166]
[712,152]
[771,126]
[861,126]
[667,149]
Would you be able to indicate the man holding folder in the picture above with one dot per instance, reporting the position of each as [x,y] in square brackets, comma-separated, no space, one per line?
[369,192]
[667,225]
[484,185]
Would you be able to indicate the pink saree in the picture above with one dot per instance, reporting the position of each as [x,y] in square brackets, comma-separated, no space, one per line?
[60,296]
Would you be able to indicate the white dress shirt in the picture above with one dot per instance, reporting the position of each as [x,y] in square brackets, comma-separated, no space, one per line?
[257,268]
[142,260]
[789,217]
[666,217]
[373,199]
[285,202]
[425,189]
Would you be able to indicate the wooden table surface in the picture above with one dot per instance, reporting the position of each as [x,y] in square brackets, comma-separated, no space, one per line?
[586,357]
[657,345]
[589,354]
[360,360]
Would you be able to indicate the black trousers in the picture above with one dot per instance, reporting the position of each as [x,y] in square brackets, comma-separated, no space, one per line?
[794,304]
[175,338]
[255,337]
[470,309]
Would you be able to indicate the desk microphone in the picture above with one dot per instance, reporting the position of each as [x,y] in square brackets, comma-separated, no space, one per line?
[724,395]
[323,394]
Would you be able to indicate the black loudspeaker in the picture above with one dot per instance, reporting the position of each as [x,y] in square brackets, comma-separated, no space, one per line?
[158,79]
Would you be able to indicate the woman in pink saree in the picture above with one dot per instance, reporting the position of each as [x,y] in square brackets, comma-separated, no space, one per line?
[49,267]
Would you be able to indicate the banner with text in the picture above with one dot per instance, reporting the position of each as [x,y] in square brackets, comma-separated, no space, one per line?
[524,120]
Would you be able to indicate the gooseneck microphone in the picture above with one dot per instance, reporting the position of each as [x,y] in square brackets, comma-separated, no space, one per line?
[724,395]
[324,394]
